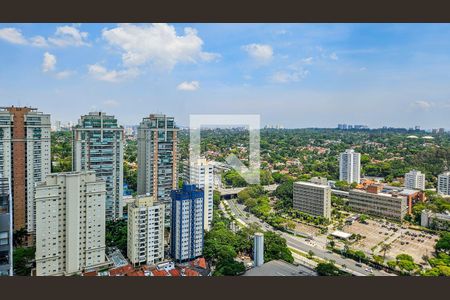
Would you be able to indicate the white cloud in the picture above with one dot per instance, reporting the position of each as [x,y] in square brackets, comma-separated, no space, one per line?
[188,86]
[12,35]
[38,41]
[64,74]
[308,60]
[289,76]
[101,73]
[156,44]
[64,36]
[259,52]
[111,103]
[421,104]
[334,56]
[49,62]
[69,36]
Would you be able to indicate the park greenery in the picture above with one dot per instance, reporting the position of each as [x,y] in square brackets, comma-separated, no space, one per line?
[23,258]
[222,245]
[61,151]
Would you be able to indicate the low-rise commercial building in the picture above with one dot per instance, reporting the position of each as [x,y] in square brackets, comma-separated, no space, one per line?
[313,199]
[374,202]
[438,221]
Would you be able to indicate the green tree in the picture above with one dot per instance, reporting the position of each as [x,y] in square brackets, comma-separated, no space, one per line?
[23,260]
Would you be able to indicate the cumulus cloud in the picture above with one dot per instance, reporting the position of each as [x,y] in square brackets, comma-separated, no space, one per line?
[259,52]
[69,36]
[99,72]
[286,77]
[188,86]
[63,36]
[49,62]
[156,44]
[422,104]
[13,36]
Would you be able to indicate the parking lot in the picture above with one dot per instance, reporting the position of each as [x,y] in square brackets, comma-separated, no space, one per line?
[401,239]
[415,243]
[373,233]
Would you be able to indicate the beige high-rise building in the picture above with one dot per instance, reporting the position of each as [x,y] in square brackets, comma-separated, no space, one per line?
[201,173]
[70,223]
[313,199]
[24,158]
[157,159]
[145,231]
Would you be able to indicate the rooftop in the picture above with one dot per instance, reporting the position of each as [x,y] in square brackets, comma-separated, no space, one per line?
[280,268]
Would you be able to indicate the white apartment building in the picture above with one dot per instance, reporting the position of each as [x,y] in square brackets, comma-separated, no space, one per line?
[313,199]
[98,145]
[145,231]
[24,158]
[187,223]
[350,166]
[201,173]
[70,223]
[444,183]
[415,180]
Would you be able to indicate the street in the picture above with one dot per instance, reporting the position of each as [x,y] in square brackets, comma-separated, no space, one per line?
[302,244]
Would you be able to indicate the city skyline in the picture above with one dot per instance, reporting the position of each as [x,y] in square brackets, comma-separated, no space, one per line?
[297,75]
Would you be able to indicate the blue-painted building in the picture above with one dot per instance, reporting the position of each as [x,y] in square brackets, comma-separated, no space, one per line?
[187,230]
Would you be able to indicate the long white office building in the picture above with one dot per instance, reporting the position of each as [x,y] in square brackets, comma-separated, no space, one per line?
[350,166]
[201,173]
[415,180]
[145,231]
[70,223]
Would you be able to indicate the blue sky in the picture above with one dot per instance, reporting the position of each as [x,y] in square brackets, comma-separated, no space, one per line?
[296,75]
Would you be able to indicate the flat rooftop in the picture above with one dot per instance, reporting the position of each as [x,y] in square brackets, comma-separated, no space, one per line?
[280,268]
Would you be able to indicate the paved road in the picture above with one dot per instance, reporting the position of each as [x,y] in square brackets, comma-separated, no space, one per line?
[302,244]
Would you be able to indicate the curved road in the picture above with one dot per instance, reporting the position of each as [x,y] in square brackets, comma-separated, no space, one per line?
[301,243]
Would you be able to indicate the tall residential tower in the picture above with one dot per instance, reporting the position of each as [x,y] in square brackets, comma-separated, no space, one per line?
[415,180]
[24,158]
[98,145]
[350,166]
[157,158]
[187,223]
[70,223]
[201,173]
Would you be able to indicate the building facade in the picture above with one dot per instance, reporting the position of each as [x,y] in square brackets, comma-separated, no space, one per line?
[70,223]
[6,251]
[201,173]
[157,158]
[436,221]
[145,231]
[350,166]
[444,183]
[415,180]
[98,145]
[375,203]
[187,223]
[313,199]
[24,158]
